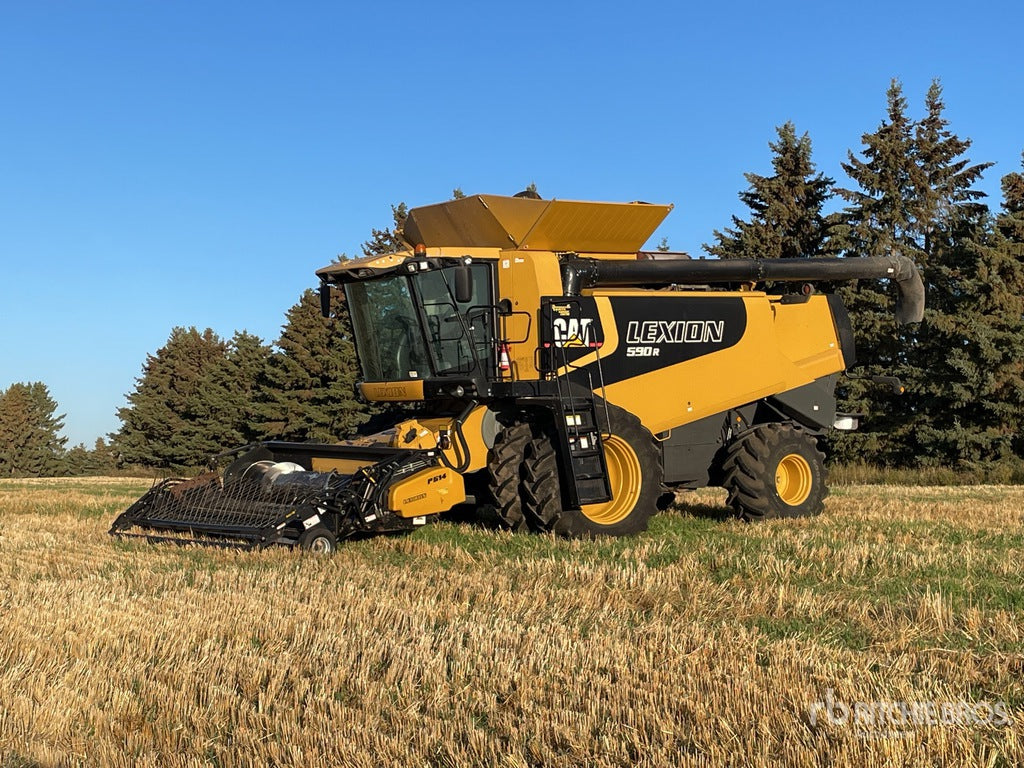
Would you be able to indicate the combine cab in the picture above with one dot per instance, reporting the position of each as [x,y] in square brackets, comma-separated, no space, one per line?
[566,382]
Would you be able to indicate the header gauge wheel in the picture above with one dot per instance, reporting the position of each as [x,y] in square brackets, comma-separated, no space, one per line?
[775,470]
[318,540]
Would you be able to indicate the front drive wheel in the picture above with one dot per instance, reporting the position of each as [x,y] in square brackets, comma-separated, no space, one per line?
[775,470]
[634,474]
[503,475]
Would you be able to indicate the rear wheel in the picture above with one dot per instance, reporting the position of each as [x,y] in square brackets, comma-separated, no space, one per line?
[775,470]
[634,475]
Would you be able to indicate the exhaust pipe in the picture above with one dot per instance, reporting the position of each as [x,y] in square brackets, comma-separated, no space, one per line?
[578,274]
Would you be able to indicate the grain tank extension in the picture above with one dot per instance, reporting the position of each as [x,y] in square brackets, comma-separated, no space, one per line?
[564,380]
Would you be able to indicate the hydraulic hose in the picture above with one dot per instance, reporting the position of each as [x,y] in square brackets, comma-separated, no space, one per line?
[463,464]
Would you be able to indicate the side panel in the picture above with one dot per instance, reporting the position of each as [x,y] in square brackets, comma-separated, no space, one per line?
[682,357]
[660,331]
[427,492]
[523,277]
[689,451]
[391,391]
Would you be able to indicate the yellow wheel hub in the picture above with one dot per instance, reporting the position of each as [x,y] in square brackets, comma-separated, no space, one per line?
[793,479]
[625,476]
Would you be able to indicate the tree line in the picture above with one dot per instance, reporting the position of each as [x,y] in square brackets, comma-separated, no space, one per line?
[200,394]
[30,441]
[911,189]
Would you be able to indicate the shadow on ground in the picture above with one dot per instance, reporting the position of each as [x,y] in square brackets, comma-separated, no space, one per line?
[715,512]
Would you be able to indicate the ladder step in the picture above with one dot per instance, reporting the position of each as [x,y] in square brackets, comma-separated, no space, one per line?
[581,437]
[592,491]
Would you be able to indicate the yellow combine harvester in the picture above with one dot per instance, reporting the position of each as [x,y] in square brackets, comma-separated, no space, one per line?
[566,379]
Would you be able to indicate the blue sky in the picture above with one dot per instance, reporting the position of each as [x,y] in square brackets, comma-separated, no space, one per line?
[187,163]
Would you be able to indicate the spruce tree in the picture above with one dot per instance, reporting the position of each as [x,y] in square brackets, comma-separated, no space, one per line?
[943,178]
[30,440]
[155,429]
[1000,349]
[953,351]
[388,240]
[308,390]
[881,212]
[88,462]
[917,198]
[101,458]
[222,412]
[786,218]
[878,223]
[75,462]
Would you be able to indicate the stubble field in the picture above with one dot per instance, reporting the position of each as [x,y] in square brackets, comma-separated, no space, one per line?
[886,632]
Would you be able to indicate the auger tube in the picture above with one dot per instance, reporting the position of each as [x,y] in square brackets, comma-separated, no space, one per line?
[579,273]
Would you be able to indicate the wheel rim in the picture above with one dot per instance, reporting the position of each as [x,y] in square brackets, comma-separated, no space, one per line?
[793,479]
[321,545]
[625,476]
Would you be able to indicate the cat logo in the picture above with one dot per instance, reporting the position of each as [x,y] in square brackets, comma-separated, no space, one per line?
[573,332]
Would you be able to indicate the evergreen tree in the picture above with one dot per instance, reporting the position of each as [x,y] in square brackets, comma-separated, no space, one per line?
[30,443]
[877,223]
[155,428]
[786,208]
[101,459]
[222,412]
[950,385]
[75,462]
[308,391]
[943,179]
[881,212]
[917,198]
[84,462]
[1000,347]
[388,240]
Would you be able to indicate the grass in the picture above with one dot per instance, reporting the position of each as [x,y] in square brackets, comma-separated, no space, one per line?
[701,642]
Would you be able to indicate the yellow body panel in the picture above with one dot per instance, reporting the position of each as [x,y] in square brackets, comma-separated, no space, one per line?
[541,225]
[392,391]
[424,434]
[427,492]
[341,466]
[522,279]
[783,347]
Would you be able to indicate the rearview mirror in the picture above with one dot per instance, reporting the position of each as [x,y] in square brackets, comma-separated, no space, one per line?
[463,284]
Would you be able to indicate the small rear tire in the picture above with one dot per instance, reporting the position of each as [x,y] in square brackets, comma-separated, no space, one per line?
[775,470]
[318,540]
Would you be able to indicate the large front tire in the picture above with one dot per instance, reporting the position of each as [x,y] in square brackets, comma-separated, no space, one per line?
[503,475]
[634,473]
[775,470]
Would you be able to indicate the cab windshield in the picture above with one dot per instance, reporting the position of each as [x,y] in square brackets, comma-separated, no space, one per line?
[411,326]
